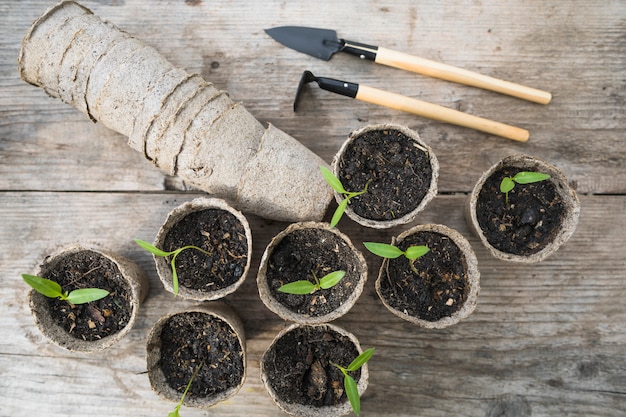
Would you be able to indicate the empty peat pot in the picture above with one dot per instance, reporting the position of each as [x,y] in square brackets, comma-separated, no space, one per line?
[305,252]
[399,169]
[96,325]
[209,337]
[298,372]
[436,290]
[214,226]
[532,221]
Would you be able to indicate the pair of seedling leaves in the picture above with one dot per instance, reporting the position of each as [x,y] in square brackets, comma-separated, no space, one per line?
[52,289]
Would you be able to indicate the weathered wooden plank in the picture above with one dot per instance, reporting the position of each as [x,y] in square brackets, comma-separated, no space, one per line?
[574,50]
[546,338]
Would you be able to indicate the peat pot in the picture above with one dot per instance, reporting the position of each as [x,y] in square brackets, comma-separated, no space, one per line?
[306,252]
[399,169]
[436,290]
[298,372]
[99,324]
[533,221]
[209,337]
[214,226]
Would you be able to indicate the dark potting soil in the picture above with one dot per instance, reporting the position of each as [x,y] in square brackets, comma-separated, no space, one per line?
[97,319]
[299,366]
[217,232]
[438,290]
[193,338]
[400,174]
[530,220]
[305,252]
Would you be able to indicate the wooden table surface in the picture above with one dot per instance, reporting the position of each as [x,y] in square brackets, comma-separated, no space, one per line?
[545,340]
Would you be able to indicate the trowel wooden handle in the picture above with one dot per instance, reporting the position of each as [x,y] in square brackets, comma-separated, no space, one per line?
[451,73]
[436,112]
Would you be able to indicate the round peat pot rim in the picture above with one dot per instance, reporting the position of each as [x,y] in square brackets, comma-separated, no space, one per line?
[473,278]
[280,309]
[557,177]
[303,410]
[130,273]
[158,382]
[177,214]
[408,217]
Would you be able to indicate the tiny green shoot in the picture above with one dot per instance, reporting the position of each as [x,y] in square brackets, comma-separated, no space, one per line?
[524,177]
[158,252]
[52,289]
[385,250]
[349,384]
[176,411]
[336,185]
[307,287]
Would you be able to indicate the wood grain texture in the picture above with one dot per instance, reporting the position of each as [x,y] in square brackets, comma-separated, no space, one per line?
[545,339]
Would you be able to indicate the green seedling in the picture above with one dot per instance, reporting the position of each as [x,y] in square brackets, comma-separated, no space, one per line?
[158,252]
[52,289]
[176,411]
[307,287]
[349,384]
[508,183]
[385,250]
[336,185]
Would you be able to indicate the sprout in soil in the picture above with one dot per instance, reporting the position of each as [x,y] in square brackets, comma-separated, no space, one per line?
[307,287]
[336,185]
[385,250]
[508,183]
[158,252]
[52,289]
[349,384]
[176,411]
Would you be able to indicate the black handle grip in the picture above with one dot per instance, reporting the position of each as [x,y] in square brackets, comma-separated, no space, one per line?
[337,86]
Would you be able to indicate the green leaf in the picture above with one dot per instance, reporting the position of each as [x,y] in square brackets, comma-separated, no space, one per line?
[383,250]
[331,279]
[529,177]
[152,249]
[86,295]
[339,212]
[361,360]
[332,180]
[352,391]
[506,185]
[298,287]
[174,276]
[415,252]
[174,413]
[44,286]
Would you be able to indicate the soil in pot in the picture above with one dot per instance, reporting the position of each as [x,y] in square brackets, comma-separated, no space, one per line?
[528,222]
[192,338]
[399,170]
[305,252]
[217,232]
[440,286]
[97,319]
[299,366]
